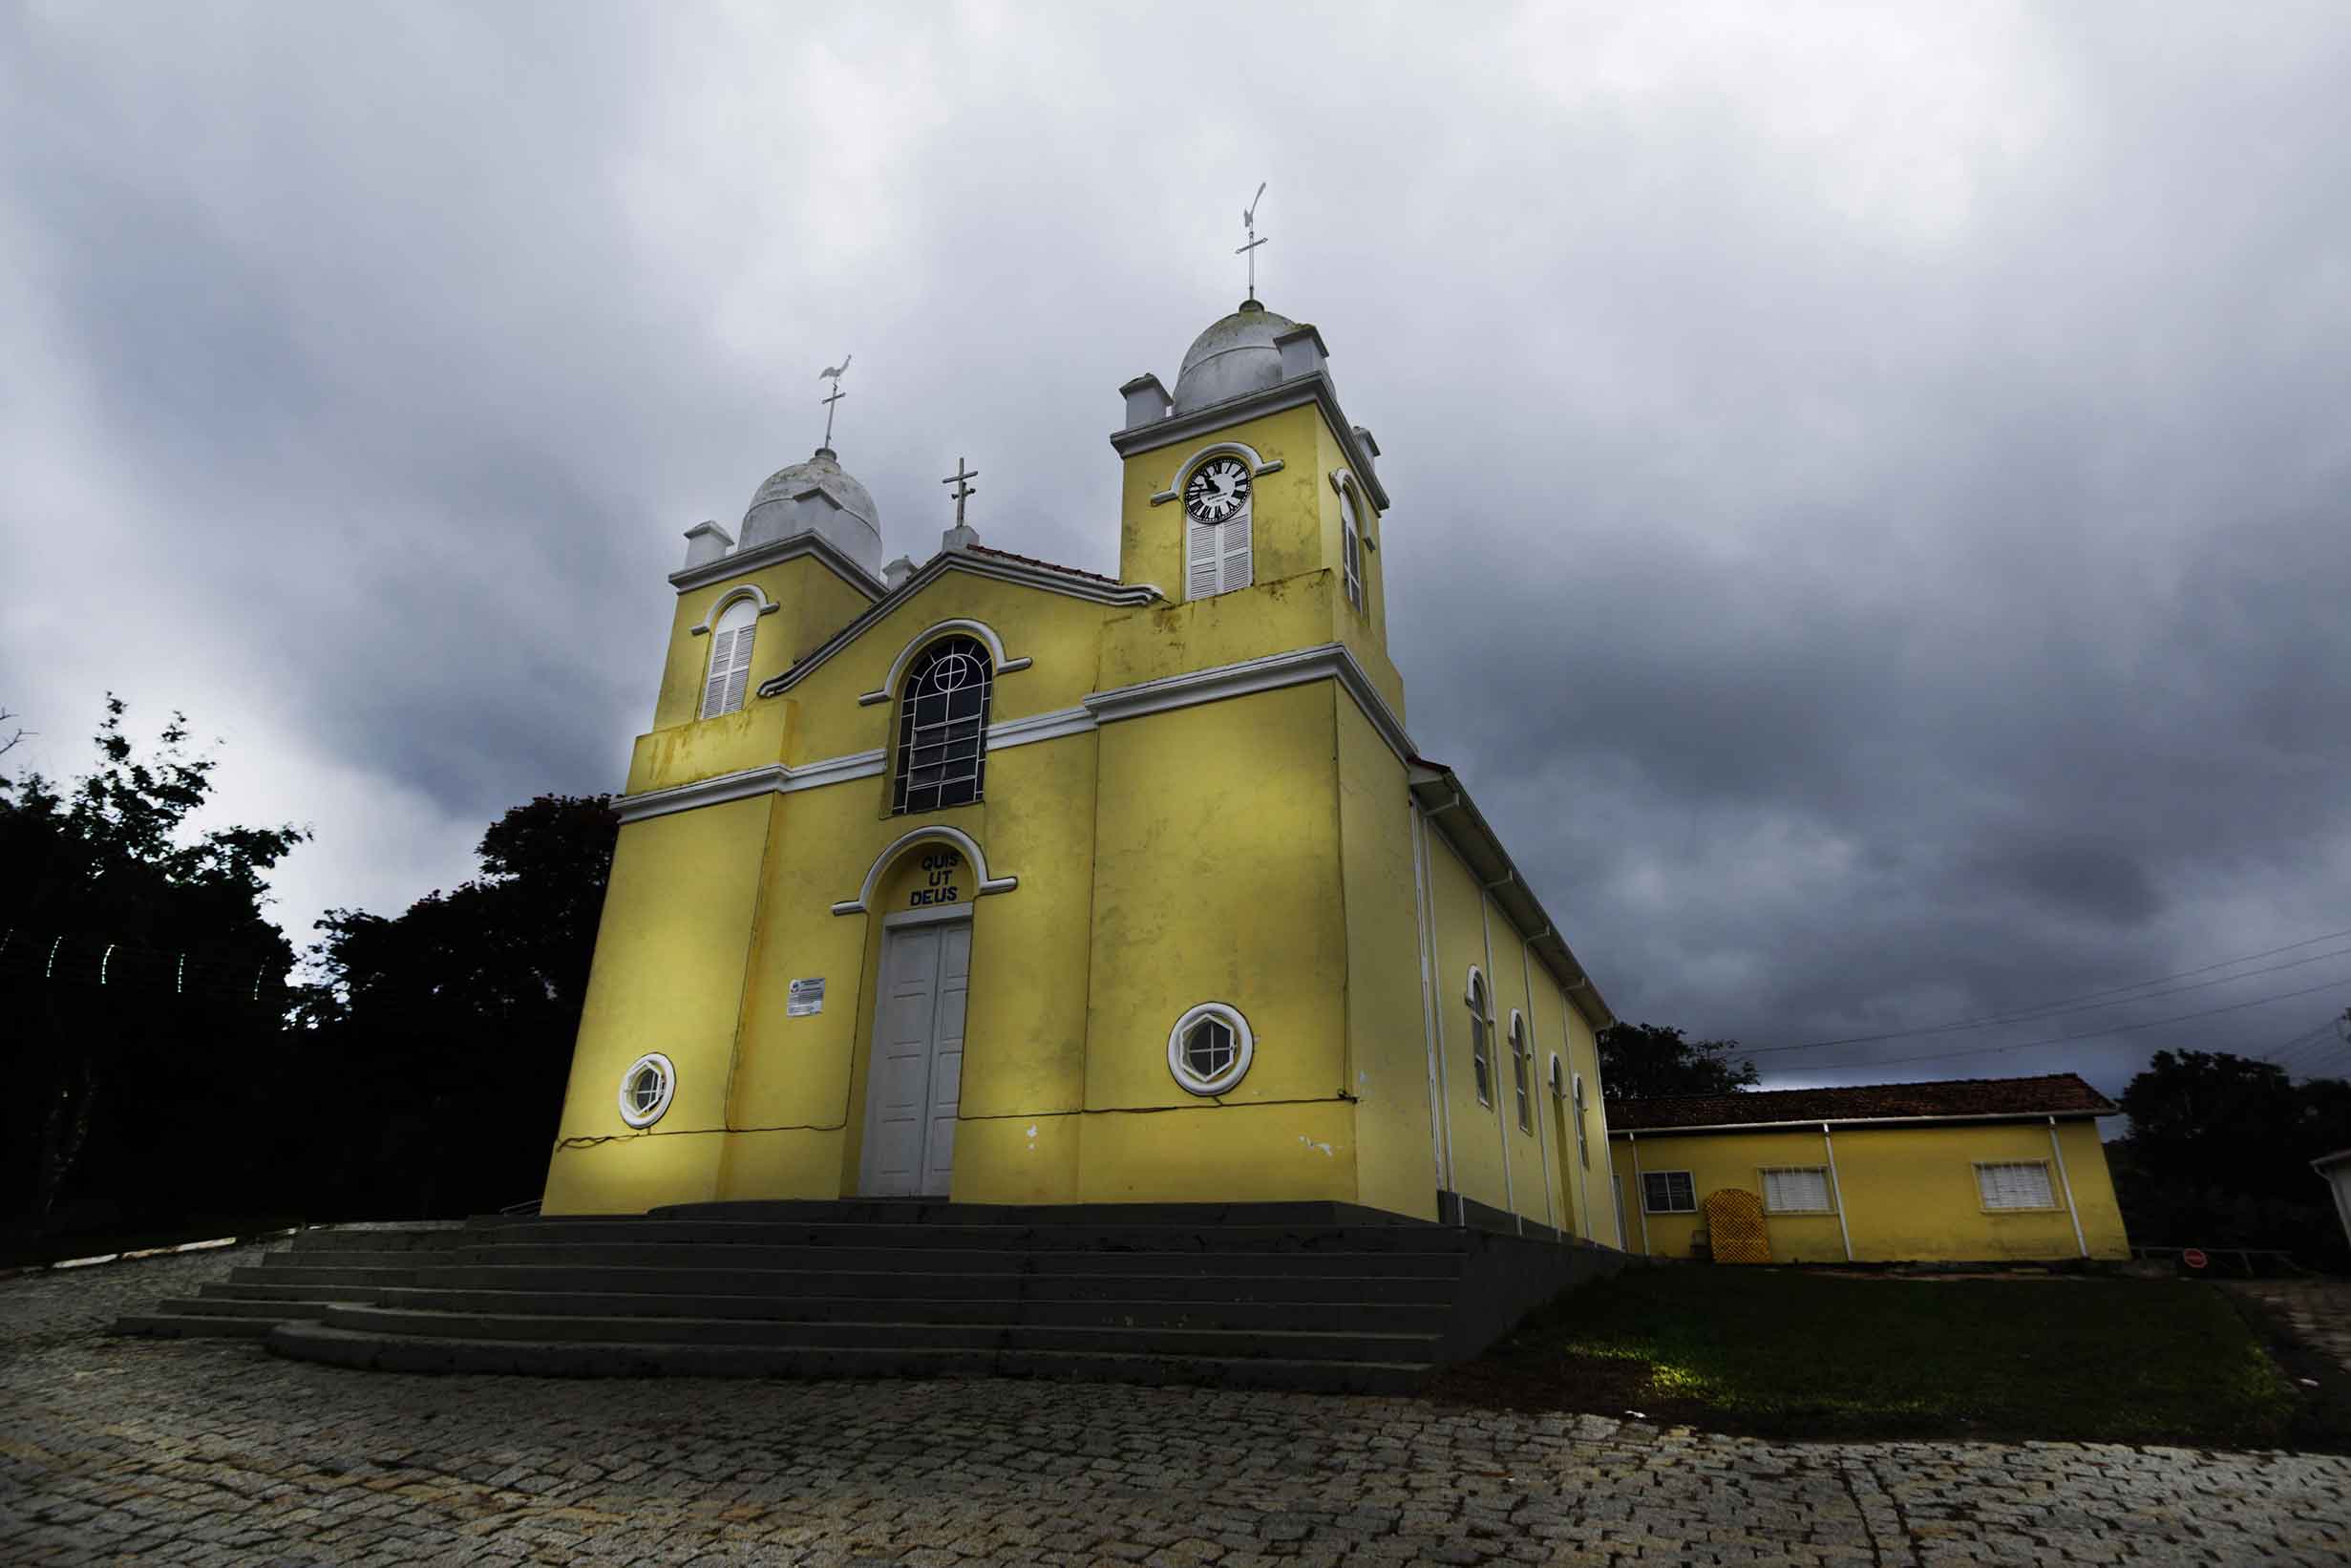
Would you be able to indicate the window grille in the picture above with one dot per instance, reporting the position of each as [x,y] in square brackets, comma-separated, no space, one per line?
[1481,1066]
[2023,1184]
[1796,1189]
[942,727]
[1519,1058]
[1668,1191]
[1210,1048]
[729,680]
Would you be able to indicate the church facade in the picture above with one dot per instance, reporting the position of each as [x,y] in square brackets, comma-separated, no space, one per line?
[1001,881]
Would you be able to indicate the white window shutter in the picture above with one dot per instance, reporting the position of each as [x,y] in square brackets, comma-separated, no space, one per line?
[1200,573]
[2021,1185]
[738,675]
[1233,571]
[1798,1191]
[722,666]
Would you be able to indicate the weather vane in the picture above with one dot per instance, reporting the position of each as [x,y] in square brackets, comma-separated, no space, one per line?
[832,375]
[962,479]
[1248,224]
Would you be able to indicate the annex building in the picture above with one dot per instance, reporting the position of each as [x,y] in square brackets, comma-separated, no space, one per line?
[1973,1170]
[1002,881]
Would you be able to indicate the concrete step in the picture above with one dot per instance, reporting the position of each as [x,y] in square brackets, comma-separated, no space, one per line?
[587,1358]
[984,1238]
[939,1212]
[941,1260]
[230,1307]
[376,1240]
[225,1290]
[890,1284]
[271,1273]
[1221,1342]
[189,1325]
[1368,1315]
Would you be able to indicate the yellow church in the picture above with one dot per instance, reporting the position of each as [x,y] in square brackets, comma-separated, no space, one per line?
[999,881]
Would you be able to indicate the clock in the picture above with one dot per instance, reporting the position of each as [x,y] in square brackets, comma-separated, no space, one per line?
[1219,487]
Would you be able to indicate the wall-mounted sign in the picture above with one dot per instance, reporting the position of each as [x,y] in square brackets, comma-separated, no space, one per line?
[807,997]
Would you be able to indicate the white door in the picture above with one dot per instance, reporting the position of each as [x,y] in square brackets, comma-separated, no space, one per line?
[916,1075]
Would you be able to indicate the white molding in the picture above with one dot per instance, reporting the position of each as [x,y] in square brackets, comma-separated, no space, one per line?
[762,556]
[1036,727]
[668,1071]
[1631,1132]
[1315,387]
[930,833]
[718,606]
[1004,664]
[717,791]
[832,770]
[1244,1050]
[927,917]
[1258,466]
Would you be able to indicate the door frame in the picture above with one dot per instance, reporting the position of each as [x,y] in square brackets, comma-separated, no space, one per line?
[939,916]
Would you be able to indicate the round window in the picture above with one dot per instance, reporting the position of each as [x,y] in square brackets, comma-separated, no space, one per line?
[645,1089]
[1209,1048]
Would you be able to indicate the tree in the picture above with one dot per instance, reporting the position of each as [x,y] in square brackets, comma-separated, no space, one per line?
[1642,1061]
[459,1015]
[119,1067]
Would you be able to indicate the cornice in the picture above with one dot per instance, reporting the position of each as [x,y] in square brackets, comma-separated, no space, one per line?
[1327,661]
[1314,387]
[725,567]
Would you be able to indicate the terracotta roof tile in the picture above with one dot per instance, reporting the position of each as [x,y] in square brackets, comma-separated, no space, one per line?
[2057,1093]
[1049,566]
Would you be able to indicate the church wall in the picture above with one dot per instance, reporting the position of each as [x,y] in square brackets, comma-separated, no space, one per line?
[814,602]
[1527,1183]
[1387,1043]
[1216,879]
[753,736]
[1455,904]
[668,977]
[1284,536]
[1555,1123]
[1272,617]
[1599,1193]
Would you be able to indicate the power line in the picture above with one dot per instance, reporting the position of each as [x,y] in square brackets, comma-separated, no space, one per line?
[2061,1039]
[2058,1006]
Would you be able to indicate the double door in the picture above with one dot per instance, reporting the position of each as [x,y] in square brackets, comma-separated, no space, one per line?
[916,1079]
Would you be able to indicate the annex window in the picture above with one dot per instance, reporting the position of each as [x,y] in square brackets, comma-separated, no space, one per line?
[1521,1068]
[729,680]
[1351,543]
[1796,1189]
[1668,1191]
[942,727]
[646,1088]
[1481,1047]
[2019,1184]
[1583,1145]
[1210,1048]
[1219,499]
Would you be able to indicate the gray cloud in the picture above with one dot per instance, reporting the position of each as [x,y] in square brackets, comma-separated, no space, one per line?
[1869,488]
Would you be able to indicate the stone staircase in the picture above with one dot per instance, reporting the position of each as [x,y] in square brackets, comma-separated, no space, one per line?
[1323,1296]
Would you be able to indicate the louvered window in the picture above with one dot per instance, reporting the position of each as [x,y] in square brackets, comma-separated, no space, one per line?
[1216,554]
[1352,543]
[1668,1191]
[729,681]
[1481,1025]
[1796,1189]
[1520,1060]
[2023,1184]
[942,727]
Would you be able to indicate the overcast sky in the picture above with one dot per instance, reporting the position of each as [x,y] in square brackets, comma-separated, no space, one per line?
[1870,483]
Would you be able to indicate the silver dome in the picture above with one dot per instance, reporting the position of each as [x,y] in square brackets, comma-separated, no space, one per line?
[1233,356]
[816,496]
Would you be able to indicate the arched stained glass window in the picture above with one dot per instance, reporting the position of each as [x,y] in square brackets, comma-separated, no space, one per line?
[942,727]
[1481,1024]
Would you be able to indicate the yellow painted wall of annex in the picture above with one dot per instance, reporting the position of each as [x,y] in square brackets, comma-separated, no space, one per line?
[1909,1192]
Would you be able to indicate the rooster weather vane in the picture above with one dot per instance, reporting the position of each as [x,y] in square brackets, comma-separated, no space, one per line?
[1248,224]
[832,375]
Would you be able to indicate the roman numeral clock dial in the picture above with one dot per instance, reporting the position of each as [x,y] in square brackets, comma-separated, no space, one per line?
[1218,489]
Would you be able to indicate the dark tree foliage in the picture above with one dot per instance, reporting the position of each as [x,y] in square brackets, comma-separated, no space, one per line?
[453,1022]
[1642,1061]
[2218,1154]
[140,987]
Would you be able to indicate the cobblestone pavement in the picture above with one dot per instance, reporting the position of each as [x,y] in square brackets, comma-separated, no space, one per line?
[214,1451]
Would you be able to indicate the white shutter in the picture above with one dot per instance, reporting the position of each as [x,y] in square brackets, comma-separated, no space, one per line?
[1201,573]
[1801,1190]
[1355,568]
[739,675]
[1234,556]
[2021,1185]
[722,665]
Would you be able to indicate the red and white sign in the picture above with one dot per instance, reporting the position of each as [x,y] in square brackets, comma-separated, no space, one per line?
[2194,1259]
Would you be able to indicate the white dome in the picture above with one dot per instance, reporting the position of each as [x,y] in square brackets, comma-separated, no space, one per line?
[816,496]
[1233,356]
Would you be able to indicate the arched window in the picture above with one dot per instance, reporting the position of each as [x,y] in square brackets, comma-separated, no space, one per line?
[1481,1027]
[1219,495]
[1583,1149]
[1351,543]
[729,679]
[1521,1058]
[942,727]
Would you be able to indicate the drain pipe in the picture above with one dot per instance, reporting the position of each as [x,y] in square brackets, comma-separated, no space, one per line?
[1640,1196]
[1837,1186]
[2066,1182]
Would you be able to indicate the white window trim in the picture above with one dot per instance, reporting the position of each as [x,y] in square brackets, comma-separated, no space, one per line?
[1982,1199]
[1521,1072]
[1258,466]
[1583,1134]
[1478,995]
[1244,517]
[1646,1176]
[1350,529]
[668,1071]
[726,691]
[1005,664]
[725,601]
[1244,1049]
[1762,1173]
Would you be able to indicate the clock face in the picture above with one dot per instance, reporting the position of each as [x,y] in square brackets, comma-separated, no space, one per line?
[1219,488]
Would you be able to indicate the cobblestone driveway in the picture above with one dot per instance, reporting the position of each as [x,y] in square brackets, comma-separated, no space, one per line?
[212,1452]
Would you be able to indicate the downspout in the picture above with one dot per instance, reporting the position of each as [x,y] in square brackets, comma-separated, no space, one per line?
[1440,1104]
[1535,1092]
[1640,1194]
[2066,1182]
[1510,1194]
[1837,1186]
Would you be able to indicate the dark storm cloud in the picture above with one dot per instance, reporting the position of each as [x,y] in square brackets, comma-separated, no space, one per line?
[1869,524]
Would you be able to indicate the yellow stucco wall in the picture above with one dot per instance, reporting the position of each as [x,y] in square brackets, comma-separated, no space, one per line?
[812,600]
[1456,907]
[1909,1192]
